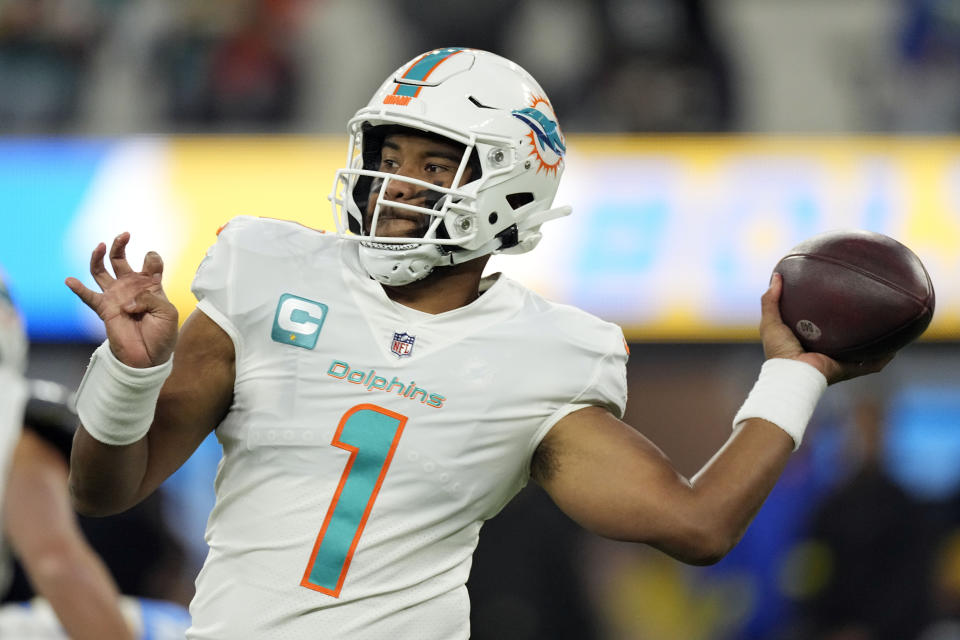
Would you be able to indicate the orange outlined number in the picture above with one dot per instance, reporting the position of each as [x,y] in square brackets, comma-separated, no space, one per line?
[370,433]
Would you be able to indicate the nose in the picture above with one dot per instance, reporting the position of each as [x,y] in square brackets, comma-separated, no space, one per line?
[397,189]
[400,189]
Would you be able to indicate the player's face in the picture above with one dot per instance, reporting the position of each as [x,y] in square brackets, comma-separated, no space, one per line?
[412,156]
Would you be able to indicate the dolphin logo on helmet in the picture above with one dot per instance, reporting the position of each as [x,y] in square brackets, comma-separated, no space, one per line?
[546,130]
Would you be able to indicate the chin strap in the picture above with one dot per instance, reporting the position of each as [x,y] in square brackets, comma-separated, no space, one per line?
[399,267]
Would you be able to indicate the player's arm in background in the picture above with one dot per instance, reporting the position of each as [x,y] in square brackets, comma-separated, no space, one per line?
[615,482]
[141,327]
[43,531]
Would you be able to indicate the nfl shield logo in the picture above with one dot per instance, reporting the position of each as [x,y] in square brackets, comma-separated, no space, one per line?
[402,344]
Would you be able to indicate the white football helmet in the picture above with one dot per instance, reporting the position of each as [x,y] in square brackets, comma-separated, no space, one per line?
[509,131]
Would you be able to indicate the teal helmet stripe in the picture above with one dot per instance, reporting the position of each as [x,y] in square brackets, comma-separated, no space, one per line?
[409,90]
[422,68]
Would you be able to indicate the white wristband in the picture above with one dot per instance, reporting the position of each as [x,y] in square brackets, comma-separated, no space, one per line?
[116,402]
[786,393]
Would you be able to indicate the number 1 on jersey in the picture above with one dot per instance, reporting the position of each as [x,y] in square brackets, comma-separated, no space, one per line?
[370,433]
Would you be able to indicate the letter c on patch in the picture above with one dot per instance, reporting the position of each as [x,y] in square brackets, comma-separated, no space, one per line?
[298,321]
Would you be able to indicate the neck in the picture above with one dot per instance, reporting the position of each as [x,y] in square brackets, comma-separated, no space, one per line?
[445,289]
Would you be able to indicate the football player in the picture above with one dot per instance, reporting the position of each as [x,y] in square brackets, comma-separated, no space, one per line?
[378,398]
[37,520]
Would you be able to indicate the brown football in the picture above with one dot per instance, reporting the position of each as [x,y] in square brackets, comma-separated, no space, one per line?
[854,295]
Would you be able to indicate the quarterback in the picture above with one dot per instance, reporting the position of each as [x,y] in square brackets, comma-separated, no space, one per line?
[378,397]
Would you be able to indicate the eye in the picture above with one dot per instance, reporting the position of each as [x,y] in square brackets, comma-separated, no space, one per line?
[389,164]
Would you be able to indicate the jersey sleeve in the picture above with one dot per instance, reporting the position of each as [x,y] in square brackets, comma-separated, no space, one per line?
[606,385]
[214,284]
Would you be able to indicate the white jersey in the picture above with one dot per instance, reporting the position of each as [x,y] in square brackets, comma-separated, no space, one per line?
[13,399]
[367,442]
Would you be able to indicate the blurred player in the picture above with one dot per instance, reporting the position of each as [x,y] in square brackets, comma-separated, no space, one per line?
[13,396]
[148,619]
[37,520]
[377,398]
[78,596]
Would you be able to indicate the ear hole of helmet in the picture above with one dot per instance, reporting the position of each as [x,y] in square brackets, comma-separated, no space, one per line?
[517,200]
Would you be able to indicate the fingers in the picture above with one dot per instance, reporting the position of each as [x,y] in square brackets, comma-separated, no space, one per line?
[118,260]
[152,262]
[87,296]
[97,269]
[118,255]
[770,302]
[153,265]
[778,340]
[147,301]
[120,288]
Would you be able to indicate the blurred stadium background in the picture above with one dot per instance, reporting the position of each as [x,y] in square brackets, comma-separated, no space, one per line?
[706,139]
